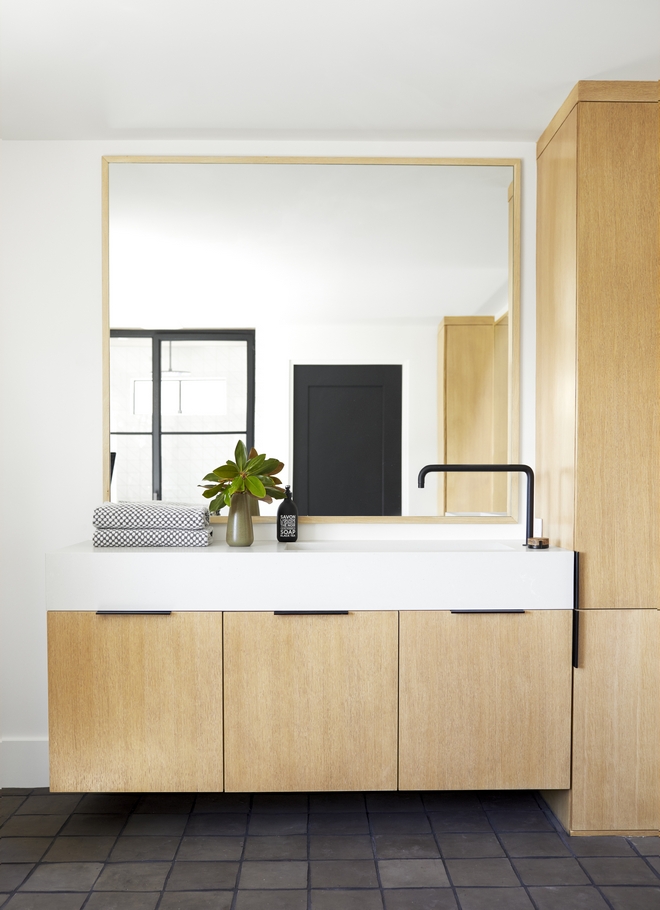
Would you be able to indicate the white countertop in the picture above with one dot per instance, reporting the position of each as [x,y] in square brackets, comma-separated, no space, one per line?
[322,575]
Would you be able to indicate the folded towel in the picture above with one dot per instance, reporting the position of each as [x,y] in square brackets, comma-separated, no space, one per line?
[151,537]
[159,515]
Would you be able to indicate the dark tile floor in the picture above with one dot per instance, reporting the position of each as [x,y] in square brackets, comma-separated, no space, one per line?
[323,851]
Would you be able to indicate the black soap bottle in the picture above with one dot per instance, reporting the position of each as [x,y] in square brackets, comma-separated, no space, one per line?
[287,519]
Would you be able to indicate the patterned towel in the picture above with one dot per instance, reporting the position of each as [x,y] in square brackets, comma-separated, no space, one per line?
[151,537]
[158,515]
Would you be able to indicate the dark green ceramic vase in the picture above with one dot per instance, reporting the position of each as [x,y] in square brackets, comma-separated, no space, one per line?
[240,532]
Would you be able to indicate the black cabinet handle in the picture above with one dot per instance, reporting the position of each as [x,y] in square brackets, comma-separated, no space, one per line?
[133,612]
[310,613]
[487,611]
[576,609]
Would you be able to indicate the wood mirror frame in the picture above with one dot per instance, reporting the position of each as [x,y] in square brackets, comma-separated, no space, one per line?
[513,429]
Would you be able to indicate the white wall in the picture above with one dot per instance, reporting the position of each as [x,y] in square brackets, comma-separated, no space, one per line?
[50,388]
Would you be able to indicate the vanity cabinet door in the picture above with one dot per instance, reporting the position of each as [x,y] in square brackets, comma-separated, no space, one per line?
[135,702]
[485,700]
[310,701]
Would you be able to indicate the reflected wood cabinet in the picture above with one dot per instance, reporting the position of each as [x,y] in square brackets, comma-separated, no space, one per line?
[310,702]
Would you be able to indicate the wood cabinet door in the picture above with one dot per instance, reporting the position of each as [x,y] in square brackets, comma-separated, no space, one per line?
[135,702]
[310,701]
[485,700]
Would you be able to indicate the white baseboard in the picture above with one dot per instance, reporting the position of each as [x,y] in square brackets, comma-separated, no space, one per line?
[24,763]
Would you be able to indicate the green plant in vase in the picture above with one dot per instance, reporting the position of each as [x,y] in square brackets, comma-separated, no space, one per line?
[247,480]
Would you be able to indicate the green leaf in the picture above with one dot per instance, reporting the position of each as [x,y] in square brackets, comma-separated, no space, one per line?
[240,454]
[211,492]
[255,486]
[255,465]
[211,476]
[275,493]
[271,466]
[226,471]
[217,504]
[253,453]
[227,497]
[236,486]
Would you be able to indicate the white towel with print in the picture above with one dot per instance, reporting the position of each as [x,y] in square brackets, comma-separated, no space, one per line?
[156,515]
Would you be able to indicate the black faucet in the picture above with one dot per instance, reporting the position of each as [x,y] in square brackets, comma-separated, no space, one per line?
[523,468]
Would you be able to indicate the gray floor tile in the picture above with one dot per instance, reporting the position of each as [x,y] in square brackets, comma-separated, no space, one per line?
[278,823]
[196,900]
[399,823]
[9,804]
[338,823]
[420,899]
[460,822]
[283,846]
[655,862]
[271,900]
[52,804]
[146,847]
[13,874]
[217,823]
[534,844]
[133,877]
[495,899]
[156,824]
[79,850]
[32,825]
[633,898]
[451,801]
[222,802]
[95,824]
[3,898]
[466,873]
[616,870]
[412,873]
[63,877]
[336,802]
[206,876]
[647,846]
[23,849]
[347,900]
[45,902]
[333,846]
[15,791]
[568,898]
[107,803]
[406,846]
[346,873]
[210,848]
[469,846]
[519,820]
[122,900]
[393,801]
[600,846]
[259,875]
[263,803]
[546,871]
[165,804]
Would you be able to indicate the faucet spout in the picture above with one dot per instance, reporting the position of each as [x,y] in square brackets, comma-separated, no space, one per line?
[474,468]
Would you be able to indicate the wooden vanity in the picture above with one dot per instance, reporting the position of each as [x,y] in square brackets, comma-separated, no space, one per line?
[361,699]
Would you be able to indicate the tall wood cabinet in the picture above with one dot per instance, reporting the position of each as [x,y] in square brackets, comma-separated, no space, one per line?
[598,418]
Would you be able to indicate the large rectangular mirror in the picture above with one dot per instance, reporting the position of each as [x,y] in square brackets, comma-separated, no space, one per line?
[355,318]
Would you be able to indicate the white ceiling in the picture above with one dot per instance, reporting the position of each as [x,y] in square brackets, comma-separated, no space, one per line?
[442,69]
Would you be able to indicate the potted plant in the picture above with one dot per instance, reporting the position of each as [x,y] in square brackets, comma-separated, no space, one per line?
[248,479]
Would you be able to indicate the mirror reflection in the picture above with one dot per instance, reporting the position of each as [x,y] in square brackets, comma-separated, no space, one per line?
[353,319]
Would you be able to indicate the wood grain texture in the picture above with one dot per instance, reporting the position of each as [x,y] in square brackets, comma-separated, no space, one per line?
[593,90]
[616,754]
[485,700]
[311,702]
[469,411]
[556,303]
[135,702]
[618,355]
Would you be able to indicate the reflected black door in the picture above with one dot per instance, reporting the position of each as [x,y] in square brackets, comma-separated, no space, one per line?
[347,440]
